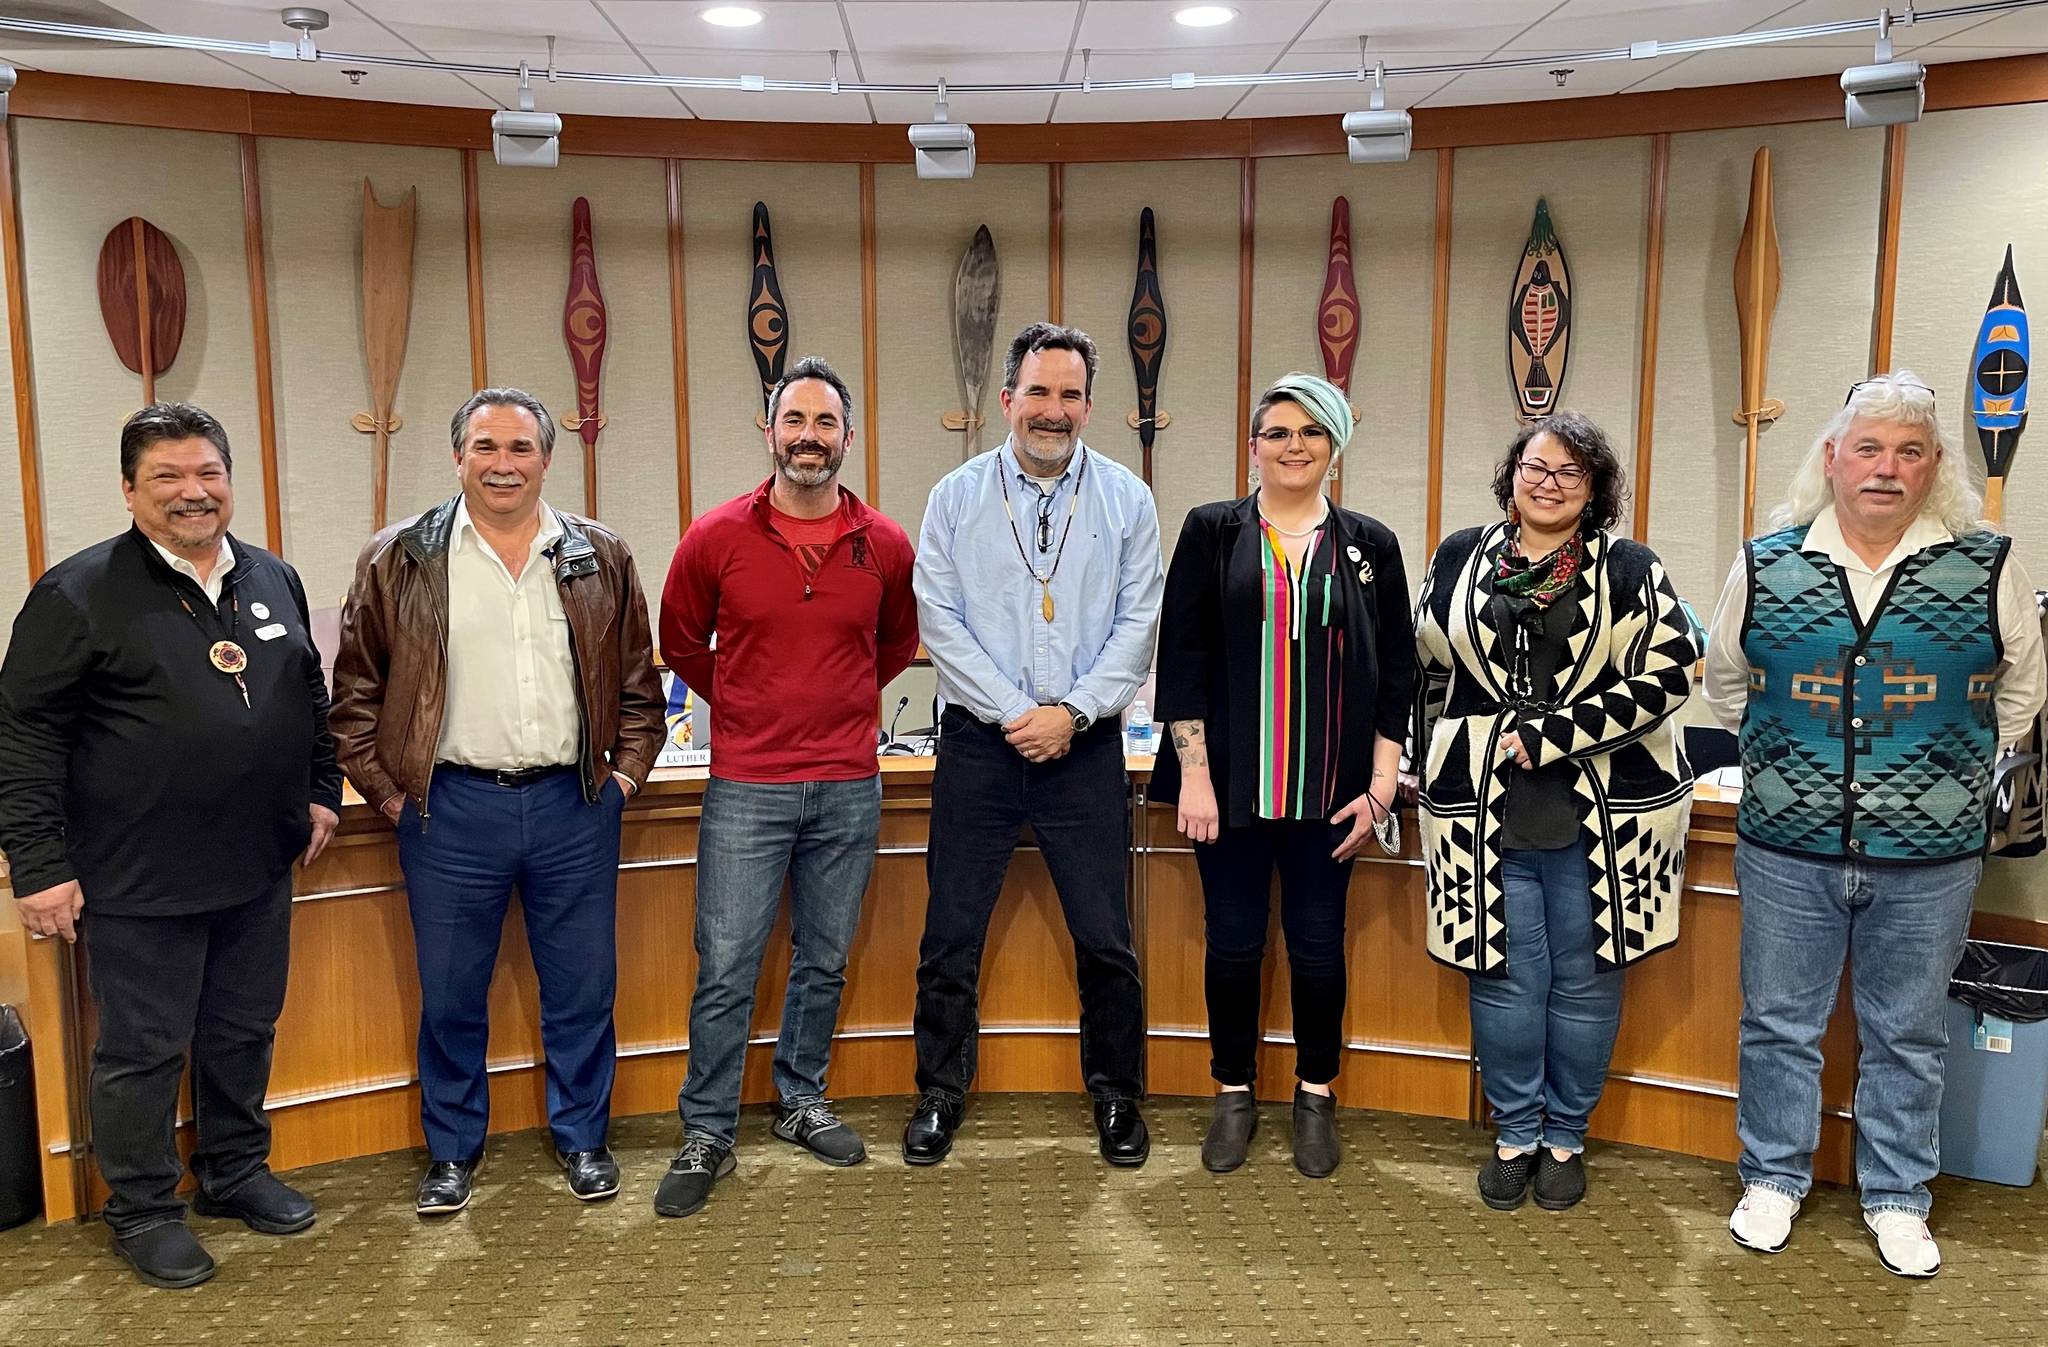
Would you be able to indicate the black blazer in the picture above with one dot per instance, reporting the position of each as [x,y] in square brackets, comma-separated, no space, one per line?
[1209,634]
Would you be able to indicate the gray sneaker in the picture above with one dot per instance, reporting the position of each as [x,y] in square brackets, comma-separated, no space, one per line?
[687,1185]
[816,1128]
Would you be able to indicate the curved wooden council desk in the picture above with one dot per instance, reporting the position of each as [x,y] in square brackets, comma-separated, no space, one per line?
[343,1081]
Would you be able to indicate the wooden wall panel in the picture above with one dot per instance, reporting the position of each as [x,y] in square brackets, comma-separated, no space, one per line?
[1827,182]
[1386,467]
[312,198]
[526,275]
[1596,200]
[1195,210]
[189,185]
[14,560]
[922,228]
[814,212]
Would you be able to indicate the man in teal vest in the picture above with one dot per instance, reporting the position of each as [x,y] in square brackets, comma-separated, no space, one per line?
[1876,655]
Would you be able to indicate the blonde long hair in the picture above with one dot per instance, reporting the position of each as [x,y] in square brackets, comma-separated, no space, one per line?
[1902,399]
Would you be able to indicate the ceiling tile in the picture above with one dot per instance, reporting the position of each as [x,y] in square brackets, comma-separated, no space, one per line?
[1409,25]
[1299,100]
[518,26]
[1740,65]
[970,108]
[2027,29]
[990,30]
[131,63]
[577,96]
[1147,26]
[1598,25]
[1536,83]
[256,21]
[737,105]
[788,26]
[381,84]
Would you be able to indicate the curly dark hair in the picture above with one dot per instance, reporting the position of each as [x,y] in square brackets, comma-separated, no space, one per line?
[1588,446]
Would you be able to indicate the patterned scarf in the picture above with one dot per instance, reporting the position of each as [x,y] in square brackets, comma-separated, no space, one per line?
[1525,588]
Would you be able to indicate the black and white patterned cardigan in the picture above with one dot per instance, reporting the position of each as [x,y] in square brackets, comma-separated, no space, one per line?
[1629,665]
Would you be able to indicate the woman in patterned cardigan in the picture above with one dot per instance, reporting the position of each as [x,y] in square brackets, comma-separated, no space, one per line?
[1554,794]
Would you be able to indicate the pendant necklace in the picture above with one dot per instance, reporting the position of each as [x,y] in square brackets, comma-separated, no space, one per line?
[1044,582]
[226,656]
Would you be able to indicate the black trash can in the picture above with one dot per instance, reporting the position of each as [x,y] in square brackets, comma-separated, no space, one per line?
[21,1178]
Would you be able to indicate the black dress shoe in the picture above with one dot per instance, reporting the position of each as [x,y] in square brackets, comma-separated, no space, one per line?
[593,1175]
[1122,1128]
[1230,1131]
[928,1136]
[445,1187]
[167,1255]
[264,1203]
[1315,1134]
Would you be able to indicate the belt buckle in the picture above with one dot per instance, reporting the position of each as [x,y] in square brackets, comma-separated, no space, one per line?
[508,779]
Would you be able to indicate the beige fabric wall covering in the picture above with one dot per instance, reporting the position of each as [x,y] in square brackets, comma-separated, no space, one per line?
[526,276]
[13,524]
[1827,182]
[313,223]
[814,216]
[1393,245]
[77,180]
[1597,198]
[1195,210]
[921,228]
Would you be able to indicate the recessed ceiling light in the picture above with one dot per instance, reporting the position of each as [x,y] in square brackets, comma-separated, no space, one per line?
[1204,16]
[732,16]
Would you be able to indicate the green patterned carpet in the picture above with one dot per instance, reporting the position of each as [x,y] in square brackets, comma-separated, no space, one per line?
[1025,1237]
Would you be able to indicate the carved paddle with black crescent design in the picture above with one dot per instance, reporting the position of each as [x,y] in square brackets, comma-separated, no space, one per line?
[1147,331]
[767,315]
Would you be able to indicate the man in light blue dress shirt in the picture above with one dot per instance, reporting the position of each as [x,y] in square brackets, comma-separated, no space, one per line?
[1038,583]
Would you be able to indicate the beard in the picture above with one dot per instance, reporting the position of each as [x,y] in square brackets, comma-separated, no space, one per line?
[194,528]
[1046,445]
[810,476]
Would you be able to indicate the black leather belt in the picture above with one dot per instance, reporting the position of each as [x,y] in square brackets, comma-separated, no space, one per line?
[510,780]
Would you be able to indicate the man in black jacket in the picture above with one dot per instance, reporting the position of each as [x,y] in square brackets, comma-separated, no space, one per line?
[164,758]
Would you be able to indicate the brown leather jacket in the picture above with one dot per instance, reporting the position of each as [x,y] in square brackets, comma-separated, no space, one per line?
[391,672]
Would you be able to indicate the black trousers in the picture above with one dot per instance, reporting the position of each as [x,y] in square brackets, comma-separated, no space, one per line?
[1078,806]
[211,983]
[1237,882]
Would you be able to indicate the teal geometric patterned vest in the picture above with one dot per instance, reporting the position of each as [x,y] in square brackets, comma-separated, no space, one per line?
[1876,740]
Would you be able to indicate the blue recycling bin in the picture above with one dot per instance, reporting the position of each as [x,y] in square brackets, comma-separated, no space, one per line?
[1994,1102]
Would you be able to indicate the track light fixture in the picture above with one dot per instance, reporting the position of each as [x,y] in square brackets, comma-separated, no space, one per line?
[944,149]
[1379,136]
[6,83]
[1888,93]
[525,138]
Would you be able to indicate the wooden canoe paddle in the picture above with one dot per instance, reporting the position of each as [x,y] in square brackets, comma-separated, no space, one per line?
[1337,315]
[977,290]
[1757,269]
[585,327]
[1146,328]
[387,314]
[1998,384]
[1539,319]
[142,298]
[767,315]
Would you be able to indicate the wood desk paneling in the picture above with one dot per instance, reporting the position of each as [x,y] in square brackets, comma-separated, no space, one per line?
[343,1080]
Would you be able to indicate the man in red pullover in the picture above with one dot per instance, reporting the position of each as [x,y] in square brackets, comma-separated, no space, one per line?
[808,593]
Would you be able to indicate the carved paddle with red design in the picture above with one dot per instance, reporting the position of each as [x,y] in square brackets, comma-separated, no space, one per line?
[585,327]
[1337,316]
[142,298]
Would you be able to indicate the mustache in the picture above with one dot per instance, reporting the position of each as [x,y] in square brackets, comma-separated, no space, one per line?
[208,508]
[1060,427]
[1885,488]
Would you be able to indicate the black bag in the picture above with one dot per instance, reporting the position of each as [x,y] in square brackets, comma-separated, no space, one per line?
[2009,981]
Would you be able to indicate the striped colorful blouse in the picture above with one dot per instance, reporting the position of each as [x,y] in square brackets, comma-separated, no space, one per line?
[1300,685]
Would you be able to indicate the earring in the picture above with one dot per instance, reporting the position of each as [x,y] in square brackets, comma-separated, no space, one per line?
[1514,515]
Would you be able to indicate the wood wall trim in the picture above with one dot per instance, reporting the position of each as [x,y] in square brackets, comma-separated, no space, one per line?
[18,356]
[1247,216]
[1055,242]
[259,330]
[1653,295]
[1817,98]
[870,330]
[1439,335]
[1888,211]
[473,248]
[679,340]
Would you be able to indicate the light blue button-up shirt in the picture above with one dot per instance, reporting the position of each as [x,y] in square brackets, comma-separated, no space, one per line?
[981,612]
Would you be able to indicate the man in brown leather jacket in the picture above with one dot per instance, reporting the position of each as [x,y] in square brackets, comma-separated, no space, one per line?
[495,696]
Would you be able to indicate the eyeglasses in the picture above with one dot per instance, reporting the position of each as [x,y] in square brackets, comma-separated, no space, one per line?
[1045,521]
[1567,477]
[1888,383]
[1312,436]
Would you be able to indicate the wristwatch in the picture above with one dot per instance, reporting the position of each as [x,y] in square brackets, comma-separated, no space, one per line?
[1081,722]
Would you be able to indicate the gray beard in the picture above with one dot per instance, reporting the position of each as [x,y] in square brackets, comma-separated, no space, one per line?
[810,479]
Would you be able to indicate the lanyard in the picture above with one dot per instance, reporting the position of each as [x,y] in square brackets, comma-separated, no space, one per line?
[226,656]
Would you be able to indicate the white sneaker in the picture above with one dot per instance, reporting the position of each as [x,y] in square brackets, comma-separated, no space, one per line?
[1763,1219]
[1903,1244]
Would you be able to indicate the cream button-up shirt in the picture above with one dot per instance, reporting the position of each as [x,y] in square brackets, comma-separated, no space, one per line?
[216,580]
[511,676]
[2022,677]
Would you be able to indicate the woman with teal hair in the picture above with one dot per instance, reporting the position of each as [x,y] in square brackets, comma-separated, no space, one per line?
[1286,665]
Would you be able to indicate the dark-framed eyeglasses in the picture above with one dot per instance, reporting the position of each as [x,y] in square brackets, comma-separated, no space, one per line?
[1312,436]
[1045,500]
[1913,385]
[1568,478]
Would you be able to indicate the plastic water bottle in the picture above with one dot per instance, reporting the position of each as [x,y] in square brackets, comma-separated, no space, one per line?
[1138,729]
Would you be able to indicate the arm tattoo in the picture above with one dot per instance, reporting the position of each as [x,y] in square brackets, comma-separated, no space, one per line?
[1191,742]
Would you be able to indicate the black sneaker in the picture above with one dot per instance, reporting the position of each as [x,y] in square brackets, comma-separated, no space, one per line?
[687,1185]
[1559,1183]
[1504,1184]
[167,1255]
[264,1203]
[816,1128]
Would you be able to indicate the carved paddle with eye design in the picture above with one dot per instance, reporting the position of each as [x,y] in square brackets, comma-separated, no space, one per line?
[142,298]
[585,328]
[1998,384]
[767,315]
[1539,319]
[1337,316]
[1147,332]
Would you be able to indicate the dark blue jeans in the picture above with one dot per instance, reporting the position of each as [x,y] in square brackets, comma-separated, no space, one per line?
[461,864]
[1545,1033]
[1078,806]
[822,835]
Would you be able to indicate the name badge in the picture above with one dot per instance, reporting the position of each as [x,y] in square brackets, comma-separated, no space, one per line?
[260,611]
[271,632]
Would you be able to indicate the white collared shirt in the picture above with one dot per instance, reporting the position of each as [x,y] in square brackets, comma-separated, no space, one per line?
[511,676]
[2022,679]
[223,562]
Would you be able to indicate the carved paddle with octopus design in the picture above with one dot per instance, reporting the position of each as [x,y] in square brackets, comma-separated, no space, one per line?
[1337,316]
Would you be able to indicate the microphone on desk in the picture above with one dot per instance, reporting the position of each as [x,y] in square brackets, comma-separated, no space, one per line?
[889,739]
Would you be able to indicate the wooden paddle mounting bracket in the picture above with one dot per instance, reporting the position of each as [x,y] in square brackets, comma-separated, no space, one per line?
[1770,411]
[1160,420]
[600,420]
[370,425]
[962,421]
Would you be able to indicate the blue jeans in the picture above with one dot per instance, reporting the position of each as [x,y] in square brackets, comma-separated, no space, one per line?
[1901,928]
[1544,1033]
[461,864]
[822,835]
